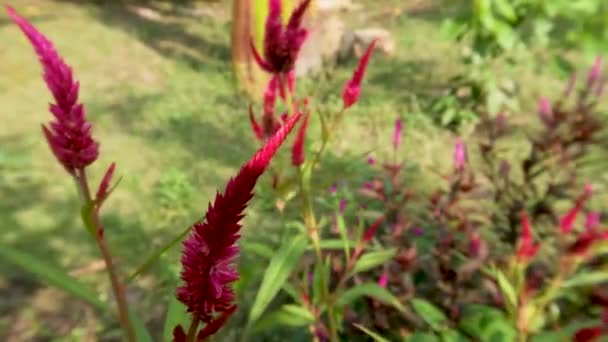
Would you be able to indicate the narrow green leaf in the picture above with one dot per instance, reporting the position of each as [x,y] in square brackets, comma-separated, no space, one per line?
[51,274]
[279,269]
[507,289]
[258,248]
[422,337]
[371,260]
[505,9]
[375,336]
[332,244]
[370,290]
[343,234]
[586,279]
[156,255]
[176,314]
[432,315]
[288,315]
[141,332]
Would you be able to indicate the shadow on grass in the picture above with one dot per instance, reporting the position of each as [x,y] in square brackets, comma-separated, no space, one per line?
[168,31]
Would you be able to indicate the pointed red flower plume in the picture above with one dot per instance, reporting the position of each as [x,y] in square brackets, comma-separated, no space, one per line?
[210,251]
[566,223]
[69,136]
[397,133]
[527,249]
[104,185]
[282,44]
[255,126]
[297,150]
[352,88]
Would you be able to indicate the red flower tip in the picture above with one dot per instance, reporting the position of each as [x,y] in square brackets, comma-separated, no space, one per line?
[255,126]
[215,325]
[209,252]
[282,44]
[352,88]
[587,334]
[527,249]
[104,185]
[69,135]
[371,231]
[566,223]
[179,335]
[476,245]
[297,150]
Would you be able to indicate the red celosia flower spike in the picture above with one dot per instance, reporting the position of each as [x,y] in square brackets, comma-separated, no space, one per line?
[352,88]
[397,133]
[566,223]
[297,150]
[460,155]
[371,231]
[69,136]
[527,249]
[209,253]
[282,44]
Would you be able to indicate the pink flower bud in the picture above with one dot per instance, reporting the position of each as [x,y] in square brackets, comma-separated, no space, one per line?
[526,249]
[102,191]
[460,155]
[544,111]
[592,220]
[383,280]
[397,133]
[297,150]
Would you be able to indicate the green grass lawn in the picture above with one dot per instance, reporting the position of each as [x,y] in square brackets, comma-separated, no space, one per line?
[160,95]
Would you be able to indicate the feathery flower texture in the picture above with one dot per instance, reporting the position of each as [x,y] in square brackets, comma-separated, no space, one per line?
[69,135]
[282,43]
[210,251]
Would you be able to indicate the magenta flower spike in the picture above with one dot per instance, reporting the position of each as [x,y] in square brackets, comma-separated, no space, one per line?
[208,268]
[383,280]
[282,44]
[592,220]
[566,223]
[397,133]
[595,73]
[460,155]
[352,88]
[69,135]
[297,150]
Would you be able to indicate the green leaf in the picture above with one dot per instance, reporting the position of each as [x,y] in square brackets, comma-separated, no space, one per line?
[586,279]
[332,244]
[343,234]
[505,9]
[176,314]
[141,332]
[507,289]
[370,290]
[258,248]
[156,255]
[432,315]
[288,315]
[422,337]
[487,323]
[321,272]
[371,260]
[279,269]
[375,336]
[51,274]
[452,335]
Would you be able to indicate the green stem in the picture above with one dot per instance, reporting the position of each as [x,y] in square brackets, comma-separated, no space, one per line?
[117,287]
[192,330]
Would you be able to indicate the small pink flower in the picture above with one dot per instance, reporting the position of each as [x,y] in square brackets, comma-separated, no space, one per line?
[397,133]
[352,88]
[595,73]
[460,155]
[592,220]
[371,160]
[383,280]
[342,206]
[333,189]
[544,111]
